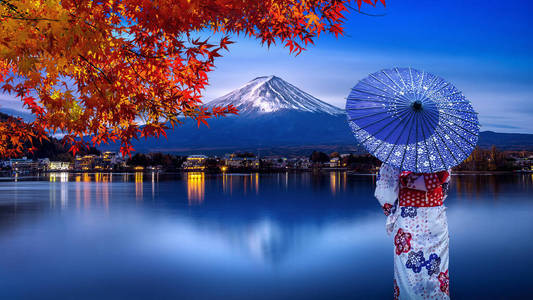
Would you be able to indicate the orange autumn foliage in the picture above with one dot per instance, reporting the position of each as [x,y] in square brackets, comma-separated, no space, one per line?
[117,70]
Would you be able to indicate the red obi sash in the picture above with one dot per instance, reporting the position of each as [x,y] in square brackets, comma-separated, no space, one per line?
[422,189]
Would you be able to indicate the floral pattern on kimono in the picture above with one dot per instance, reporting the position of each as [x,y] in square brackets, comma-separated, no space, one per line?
[387,189]
[420,233]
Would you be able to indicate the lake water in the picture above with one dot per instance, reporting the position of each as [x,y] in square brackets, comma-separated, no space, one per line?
[246,236]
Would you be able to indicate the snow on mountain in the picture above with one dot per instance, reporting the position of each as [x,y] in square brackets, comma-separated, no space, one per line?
[275,117]
[269,94]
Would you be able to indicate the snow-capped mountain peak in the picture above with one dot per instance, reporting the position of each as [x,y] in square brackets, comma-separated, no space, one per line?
[267,94]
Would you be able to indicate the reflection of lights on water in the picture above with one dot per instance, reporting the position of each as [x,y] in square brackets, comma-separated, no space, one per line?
[227,183]
[333,182]
[155,177]
[337,181]
[138,186]
[58,176]
[344,180]
[102,177]
[257,183]
[78,192]
[248,182]
[195,187]
[61,177]
[87,185]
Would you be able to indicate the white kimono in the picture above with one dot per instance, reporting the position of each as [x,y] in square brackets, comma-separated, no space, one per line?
[420,239]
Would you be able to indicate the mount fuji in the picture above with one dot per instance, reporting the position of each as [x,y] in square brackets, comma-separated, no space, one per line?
[275,117]
[270,94]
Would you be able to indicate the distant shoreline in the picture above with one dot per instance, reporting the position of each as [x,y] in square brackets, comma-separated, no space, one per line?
[6,176]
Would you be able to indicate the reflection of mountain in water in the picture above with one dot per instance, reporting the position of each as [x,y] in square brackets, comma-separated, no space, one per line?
[274,218]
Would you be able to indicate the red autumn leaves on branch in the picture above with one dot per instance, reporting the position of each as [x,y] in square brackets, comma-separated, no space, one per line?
[124,69]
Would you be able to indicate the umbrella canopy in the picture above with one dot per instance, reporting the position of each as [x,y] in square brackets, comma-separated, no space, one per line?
[412,120]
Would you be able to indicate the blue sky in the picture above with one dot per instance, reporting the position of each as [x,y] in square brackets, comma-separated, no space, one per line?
[483,47]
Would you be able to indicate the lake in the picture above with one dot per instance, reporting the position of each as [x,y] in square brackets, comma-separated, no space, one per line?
[246,236]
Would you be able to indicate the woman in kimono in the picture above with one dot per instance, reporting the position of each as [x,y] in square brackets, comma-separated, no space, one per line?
[416,217]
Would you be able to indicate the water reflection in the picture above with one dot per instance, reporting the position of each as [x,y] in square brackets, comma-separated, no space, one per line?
[139,186]
[195,188]
[246,183]
[59,176]
[62,179]
[280,233]
[337,182]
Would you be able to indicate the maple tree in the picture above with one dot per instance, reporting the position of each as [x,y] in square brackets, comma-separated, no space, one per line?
[117,70]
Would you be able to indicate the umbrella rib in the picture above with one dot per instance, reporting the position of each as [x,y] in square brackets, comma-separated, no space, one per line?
[430,85]
[464,129]
[453,141]
[421,80]
[368,115]
[375,133]
[425,144]
[454,116]
[396,142]
[368,100]
[426,118]
[388,135]
[370,124]
[449,127]
[436,91]
[363,108]
[449,95]
[408,137]
[390,87]
[459,110]
[412,80]
[373,94]
[462,101]
[446,145]
[387,75]
[377,88]
[401,78]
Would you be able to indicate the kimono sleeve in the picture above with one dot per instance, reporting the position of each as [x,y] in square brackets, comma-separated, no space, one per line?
[387,187]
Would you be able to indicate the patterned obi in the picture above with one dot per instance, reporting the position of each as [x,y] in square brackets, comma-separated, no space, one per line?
[423,189]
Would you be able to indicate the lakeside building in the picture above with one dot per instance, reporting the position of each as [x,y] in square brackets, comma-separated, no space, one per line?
[335,162]
[21,165]
[524,163]
[58,166]
[299,163]
[106,161]
[109,160]
[236,161]
[85,163]
[195,162]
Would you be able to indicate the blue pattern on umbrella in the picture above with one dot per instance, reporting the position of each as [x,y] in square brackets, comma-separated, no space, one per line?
[412,120]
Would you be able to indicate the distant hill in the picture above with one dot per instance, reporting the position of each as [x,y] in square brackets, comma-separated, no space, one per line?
[506,141]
